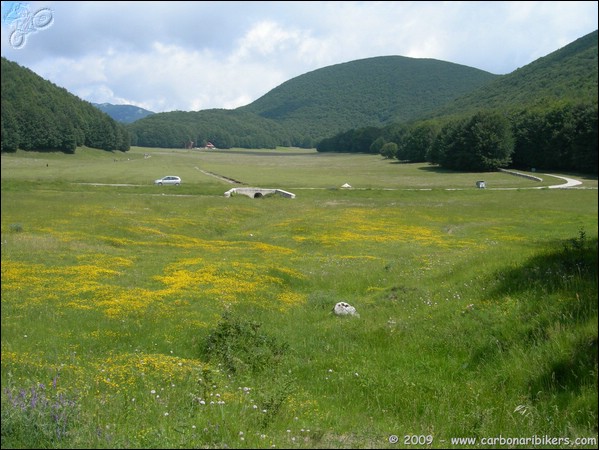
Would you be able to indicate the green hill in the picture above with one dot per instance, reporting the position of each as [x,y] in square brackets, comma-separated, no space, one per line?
[568,74]
[223,128]
[123,113]
[38,115]
[373,91]
[378,92]
[542,116]
[305,109]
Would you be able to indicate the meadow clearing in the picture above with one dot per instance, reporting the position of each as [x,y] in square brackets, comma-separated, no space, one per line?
[142,316]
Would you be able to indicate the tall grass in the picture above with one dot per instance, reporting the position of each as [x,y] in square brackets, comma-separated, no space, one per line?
[162,317]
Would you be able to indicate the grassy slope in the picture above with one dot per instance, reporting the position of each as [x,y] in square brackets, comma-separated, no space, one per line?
[474,319]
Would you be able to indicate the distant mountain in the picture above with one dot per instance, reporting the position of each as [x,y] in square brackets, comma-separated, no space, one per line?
[38,115]
[123,113]
[310,107]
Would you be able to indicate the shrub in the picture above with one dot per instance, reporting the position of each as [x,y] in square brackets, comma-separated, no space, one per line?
[240,345]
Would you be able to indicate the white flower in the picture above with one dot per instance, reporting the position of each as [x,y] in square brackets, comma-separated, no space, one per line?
[153,391]
[166,414]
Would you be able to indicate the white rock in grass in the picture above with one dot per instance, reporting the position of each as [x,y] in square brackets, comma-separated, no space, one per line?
[345,309]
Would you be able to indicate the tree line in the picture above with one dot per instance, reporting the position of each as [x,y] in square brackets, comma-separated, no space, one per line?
[223,128]
[38,115]
[560,137]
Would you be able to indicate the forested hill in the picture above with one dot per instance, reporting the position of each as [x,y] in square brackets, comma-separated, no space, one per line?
[305,109]
[379,91]
[38,115]
[373,91]
[568,74]
[221,127]
[123,113]
[541,116]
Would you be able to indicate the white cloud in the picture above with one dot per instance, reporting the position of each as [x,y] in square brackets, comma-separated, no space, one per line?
[264,39]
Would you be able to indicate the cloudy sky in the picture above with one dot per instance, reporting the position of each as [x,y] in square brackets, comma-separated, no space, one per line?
[166,56]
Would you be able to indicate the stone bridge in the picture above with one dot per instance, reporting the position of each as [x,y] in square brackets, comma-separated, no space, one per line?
[253,192]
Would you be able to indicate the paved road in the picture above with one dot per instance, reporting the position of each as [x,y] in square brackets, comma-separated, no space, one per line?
[570,182]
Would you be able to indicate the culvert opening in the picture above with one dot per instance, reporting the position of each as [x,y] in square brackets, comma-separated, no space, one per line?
[258,195]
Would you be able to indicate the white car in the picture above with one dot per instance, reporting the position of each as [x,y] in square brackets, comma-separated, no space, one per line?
[168,180]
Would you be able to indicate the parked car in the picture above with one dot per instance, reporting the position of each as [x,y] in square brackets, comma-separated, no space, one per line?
[168,180]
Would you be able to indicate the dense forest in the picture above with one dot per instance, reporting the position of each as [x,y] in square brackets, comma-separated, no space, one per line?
[223,128]
[568,74]
[541,116]
[38,115]
[557,137]
[308,108]
[367,92]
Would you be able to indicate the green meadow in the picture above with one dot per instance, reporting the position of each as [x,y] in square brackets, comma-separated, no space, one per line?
[142,316]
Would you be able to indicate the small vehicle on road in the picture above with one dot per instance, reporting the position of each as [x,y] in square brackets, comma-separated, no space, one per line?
[170,179]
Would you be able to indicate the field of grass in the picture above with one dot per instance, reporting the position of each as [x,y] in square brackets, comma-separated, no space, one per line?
[138,316]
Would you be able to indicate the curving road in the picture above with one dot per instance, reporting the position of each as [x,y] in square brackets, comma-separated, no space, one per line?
[570,182]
